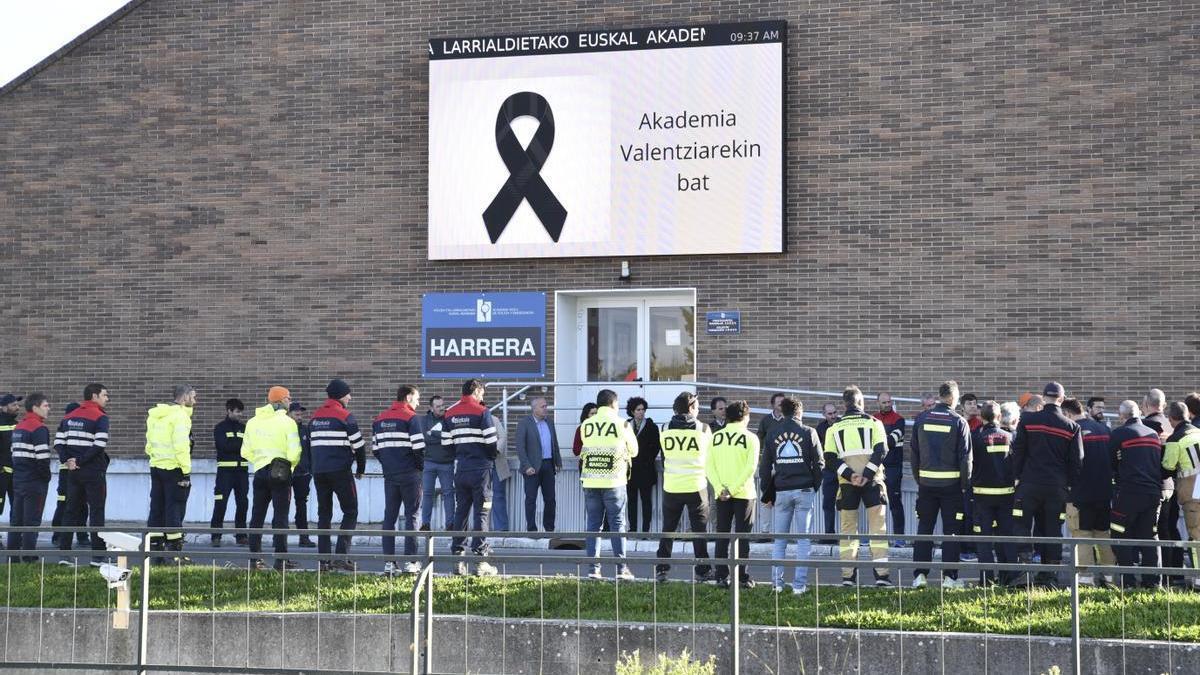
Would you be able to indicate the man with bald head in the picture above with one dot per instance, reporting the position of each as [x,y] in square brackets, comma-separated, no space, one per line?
[538,452]
[1154,405]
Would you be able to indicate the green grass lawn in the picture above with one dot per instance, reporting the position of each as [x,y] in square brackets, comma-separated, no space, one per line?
[1108,614]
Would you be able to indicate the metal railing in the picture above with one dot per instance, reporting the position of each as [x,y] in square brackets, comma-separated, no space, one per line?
[423,638]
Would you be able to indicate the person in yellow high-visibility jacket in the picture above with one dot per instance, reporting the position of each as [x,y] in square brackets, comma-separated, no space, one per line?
[609,445]
[272,435]
[731,465]
[169,446]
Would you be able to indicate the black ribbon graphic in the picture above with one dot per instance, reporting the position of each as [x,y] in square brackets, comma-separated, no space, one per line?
[524,166]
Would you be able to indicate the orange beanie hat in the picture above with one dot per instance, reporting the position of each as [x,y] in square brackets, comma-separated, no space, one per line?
[277,394]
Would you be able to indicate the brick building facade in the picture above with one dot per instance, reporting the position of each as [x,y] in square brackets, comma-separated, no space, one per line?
[234,195]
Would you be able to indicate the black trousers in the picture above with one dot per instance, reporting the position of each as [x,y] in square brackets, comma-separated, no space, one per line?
[892,480]
[643,494]
[86,494]
[340,483]
[542,481]
[301,488]
[25,510]
[230,480]
[167,501]
[1135,516]
[401,491]
[829,491]
[736,515]
[472,492]
[277,496]
[932,502]
[1046,505]
[673,506]
[993,517]
[1168,530]
[6,487]
[60,507]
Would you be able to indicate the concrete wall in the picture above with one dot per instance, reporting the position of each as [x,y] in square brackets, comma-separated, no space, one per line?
[233,194]
[373,643]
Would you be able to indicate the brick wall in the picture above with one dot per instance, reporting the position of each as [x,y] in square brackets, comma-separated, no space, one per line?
[233,194]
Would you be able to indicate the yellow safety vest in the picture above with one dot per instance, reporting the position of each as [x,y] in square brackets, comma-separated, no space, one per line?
[269,435]
[168,437]
[1183,455]
[609,445]
[853,439]
[733,461]
[685,453]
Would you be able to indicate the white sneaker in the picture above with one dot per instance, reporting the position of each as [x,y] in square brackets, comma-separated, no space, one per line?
[460,569]
[778,588]
[412,567]
[1087,580]
[595,573]
[953,584]
[389,569]
[625,574]
[920,581]
[485,570]
[799,590]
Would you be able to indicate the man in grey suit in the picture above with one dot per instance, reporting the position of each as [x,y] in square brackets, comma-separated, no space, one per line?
[537,449]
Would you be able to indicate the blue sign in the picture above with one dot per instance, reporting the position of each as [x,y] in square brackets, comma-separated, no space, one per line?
[483,335]
[722,323]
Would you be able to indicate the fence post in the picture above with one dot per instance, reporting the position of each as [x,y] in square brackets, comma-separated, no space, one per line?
[429,605]
[144,610]
[1076,654]
[735,619]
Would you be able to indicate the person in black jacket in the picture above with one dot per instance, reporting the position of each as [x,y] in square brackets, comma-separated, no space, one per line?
[231,471]
[1136,451]
[1090,505]
[643,474]
[993,485]
[31,473]
[1153,405]
[789,472]
[1047,457]
[941,457]
[60,506]
[302,475]
[829,481]
[9,407]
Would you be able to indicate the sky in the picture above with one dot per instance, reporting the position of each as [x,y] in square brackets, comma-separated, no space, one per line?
[31,30]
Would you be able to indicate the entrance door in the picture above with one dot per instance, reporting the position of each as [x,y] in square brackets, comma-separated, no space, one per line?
[635,340]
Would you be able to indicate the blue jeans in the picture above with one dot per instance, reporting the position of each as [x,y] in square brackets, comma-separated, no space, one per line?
[442,474]
[599,504]
[793,515]
[499,501]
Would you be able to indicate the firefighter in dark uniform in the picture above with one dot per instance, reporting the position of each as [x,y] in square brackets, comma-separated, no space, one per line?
[9,407]
[61,503]
[1047,457]
[231,471]
[469,429]
[1137,452]
[302,476]
[992,483]
[941,456]
[1090,506]
[31,473]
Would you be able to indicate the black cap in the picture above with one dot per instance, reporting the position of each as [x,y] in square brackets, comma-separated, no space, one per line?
[1054,389]
[296,406]
[337,389]
[6,399]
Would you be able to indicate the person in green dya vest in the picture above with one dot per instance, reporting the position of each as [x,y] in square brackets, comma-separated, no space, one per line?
[685,445]
[609,445]
[731,464]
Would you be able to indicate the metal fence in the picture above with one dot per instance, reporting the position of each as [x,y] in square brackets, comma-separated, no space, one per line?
[221,614]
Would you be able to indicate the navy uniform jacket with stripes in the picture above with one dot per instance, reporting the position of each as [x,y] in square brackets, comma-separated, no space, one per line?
[335,439]
[83,436]
[1047,448]
[397,440]
[991,470]
[227,438]
[7,424]
[1095,477]
[31,451]
[941,448]
[1137,452]
[469,429]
